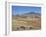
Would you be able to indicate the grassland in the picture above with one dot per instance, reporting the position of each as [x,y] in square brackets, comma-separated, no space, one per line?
[28,23]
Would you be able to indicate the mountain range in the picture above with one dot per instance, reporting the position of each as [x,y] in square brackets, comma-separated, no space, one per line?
[30,14]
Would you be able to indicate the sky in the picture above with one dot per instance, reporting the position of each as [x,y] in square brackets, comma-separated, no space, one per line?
[19,10]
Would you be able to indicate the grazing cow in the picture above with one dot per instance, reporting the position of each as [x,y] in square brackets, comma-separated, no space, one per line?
[30,27]
[22,27]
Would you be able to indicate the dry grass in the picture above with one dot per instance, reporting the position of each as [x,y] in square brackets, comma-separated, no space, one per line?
[35,23]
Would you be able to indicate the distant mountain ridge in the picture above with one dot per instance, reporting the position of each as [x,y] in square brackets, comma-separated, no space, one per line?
[32,13]
[29,14]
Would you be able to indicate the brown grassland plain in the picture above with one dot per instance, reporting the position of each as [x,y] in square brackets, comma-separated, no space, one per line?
[28,23]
